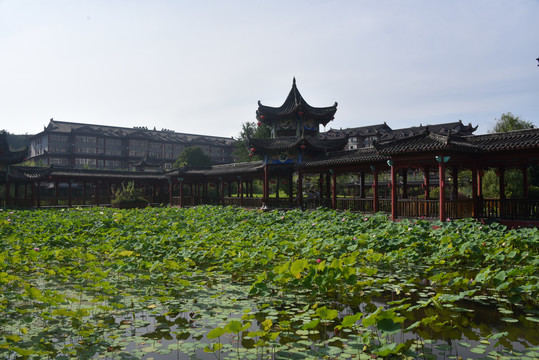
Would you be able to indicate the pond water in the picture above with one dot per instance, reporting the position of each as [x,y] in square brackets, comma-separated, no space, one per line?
[177,327]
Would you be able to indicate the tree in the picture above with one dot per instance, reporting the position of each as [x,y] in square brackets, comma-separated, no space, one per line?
[510,122]
[192,156]
[249,130]
[513,177]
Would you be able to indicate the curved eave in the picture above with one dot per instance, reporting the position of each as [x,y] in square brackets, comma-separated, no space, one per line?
[425,142]
[14,157]
[292,107]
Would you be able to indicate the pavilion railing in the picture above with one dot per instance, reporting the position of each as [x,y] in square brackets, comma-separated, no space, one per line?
[517,209]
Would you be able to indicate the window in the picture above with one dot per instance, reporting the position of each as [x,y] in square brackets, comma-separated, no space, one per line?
[113,142]
[369,141]
[79,162]
[58,138]
[113,163]
[85,139]
[113,152]
[59,161]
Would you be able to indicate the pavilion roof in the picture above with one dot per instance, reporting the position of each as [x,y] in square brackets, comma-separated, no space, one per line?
[512,140]
[29,173]
[294,142]
[340,158]
[292,106]
[426,141]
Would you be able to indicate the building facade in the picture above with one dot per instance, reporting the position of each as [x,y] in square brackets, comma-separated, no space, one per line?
[67,144]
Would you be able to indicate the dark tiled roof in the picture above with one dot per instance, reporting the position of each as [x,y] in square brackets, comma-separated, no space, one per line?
[453,128]
[513,140]
[294,104]
[425,141]
[368,130]
[29,173]
[288,143]
[142,133]
[359,156]
[93,174]
[217,170]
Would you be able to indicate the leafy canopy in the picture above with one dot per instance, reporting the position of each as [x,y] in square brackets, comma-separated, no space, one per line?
[192,156]
[510,122]
[249,130]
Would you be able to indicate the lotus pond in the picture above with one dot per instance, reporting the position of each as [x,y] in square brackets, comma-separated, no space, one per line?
[230,283]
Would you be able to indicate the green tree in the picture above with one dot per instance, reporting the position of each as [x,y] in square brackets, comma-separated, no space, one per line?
[512,177]
[249,130]
[510,122]
[192,156]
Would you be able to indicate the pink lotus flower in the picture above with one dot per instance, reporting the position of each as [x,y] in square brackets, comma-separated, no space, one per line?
[318,261]
[36,249]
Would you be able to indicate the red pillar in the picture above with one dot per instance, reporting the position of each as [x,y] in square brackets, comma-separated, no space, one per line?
[441,182]
[265,190]
[300,190]
[375,191]
[394,189]
[475,197]
[333,190]
[241,191]
[38,194]
[181,192]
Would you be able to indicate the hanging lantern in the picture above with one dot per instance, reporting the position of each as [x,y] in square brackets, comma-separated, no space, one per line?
[300,113]
[259,123]
[250,155]
[303,147]
[253,150]
[262,117]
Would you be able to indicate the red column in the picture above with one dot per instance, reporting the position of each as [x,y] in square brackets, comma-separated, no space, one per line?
[300,189]
[375,191]
[394,189]
[333,190]
[241,192]
[441,182]
[475,198]
[38,194]
[265,190]
[181,192]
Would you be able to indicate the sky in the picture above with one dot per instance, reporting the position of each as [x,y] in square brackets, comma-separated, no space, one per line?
[201,67]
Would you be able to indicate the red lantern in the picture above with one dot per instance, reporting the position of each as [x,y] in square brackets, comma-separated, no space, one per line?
[259,123]
[262,117]
[250,155]
[300,113]
[253,149]
[303,147]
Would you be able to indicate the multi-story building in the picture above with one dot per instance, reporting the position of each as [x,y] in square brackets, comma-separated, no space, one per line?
[67,144]
[365,136]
